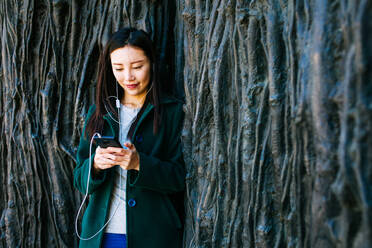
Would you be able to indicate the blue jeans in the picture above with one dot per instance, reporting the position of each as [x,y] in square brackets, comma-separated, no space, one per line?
[114,240]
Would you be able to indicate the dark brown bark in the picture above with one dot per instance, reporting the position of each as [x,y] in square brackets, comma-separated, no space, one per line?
[278,101]
[273,138]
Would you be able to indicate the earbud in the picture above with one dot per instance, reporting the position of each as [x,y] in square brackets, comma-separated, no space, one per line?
[117,103]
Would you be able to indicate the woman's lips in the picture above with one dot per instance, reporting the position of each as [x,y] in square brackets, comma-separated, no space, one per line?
[131,86]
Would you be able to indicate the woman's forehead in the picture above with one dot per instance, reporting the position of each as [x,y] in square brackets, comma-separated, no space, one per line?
[127,55]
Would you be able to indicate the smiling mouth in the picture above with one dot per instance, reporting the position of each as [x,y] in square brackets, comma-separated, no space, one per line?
[131,86]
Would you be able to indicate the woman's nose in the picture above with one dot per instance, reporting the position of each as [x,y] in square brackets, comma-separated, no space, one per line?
[128,75]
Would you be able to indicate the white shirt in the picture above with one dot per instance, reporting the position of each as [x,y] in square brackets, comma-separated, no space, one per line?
[117,207]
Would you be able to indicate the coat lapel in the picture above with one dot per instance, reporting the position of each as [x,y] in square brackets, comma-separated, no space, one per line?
[149,107]
[115,126]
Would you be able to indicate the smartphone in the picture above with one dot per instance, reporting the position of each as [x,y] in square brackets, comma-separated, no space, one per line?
[107,141]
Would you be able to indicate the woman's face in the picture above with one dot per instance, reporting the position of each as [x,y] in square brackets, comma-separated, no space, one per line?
[131,68]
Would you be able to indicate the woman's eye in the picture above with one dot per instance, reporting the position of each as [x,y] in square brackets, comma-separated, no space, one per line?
[118,69]
[137,67]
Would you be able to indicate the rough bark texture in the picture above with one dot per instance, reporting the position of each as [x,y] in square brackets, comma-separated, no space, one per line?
[277,136]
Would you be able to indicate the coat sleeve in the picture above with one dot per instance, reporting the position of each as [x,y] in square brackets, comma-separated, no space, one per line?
[82,168]
[167,175]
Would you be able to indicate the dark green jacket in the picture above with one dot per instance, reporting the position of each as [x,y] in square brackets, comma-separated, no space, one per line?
[154,194]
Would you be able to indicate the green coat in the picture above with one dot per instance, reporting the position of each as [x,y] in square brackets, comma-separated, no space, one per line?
[154,194]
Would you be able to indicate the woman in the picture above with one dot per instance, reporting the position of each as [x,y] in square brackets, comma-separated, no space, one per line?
[136,192]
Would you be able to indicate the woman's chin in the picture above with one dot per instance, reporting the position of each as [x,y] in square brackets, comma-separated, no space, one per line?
[135,92]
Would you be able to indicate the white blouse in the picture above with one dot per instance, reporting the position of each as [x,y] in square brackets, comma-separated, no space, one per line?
[117,207]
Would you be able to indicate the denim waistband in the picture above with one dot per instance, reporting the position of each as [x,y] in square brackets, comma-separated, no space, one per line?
[114,240]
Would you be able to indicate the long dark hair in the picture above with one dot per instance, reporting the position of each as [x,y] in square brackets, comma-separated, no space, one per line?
[106,81]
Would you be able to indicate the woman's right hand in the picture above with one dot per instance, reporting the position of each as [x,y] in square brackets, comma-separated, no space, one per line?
[105,158]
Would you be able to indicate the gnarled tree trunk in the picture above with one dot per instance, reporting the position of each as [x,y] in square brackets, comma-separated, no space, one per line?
[277,135]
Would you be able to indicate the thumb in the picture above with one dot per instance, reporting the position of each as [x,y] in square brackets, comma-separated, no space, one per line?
[130,146]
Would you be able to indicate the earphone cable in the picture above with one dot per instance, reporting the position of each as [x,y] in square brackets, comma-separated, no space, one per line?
[117,103]
[86,195]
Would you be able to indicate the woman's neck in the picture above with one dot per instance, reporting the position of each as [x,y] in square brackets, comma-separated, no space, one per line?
[131,101]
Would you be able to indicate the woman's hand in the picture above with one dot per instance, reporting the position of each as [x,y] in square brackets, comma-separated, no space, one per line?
[131,158]
[127,159]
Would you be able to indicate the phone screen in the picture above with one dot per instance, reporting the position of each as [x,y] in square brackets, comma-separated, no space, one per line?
[107,141]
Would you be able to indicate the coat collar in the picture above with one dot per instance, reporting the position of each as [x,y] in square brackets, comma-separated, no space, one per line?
[114,125]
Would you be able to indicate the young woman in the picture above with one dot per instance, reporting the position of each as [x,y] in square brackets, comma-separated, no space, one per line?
[136,192]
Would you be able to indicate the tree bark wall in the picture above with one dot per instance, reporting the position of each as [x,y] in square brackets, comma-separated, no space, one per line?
[278,101]
[278,134]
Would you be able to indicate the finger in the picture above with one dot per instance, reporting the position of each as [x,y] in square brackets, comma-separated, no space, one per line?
[122,158]
[123,151]
[99,155]
[98,150]
[114,149]
[101,150]
[105,162]
[109,156]
[130,146]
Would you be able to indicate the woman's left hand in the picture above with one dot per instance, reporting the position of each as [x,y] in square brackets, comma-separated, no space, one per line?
[128,159]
